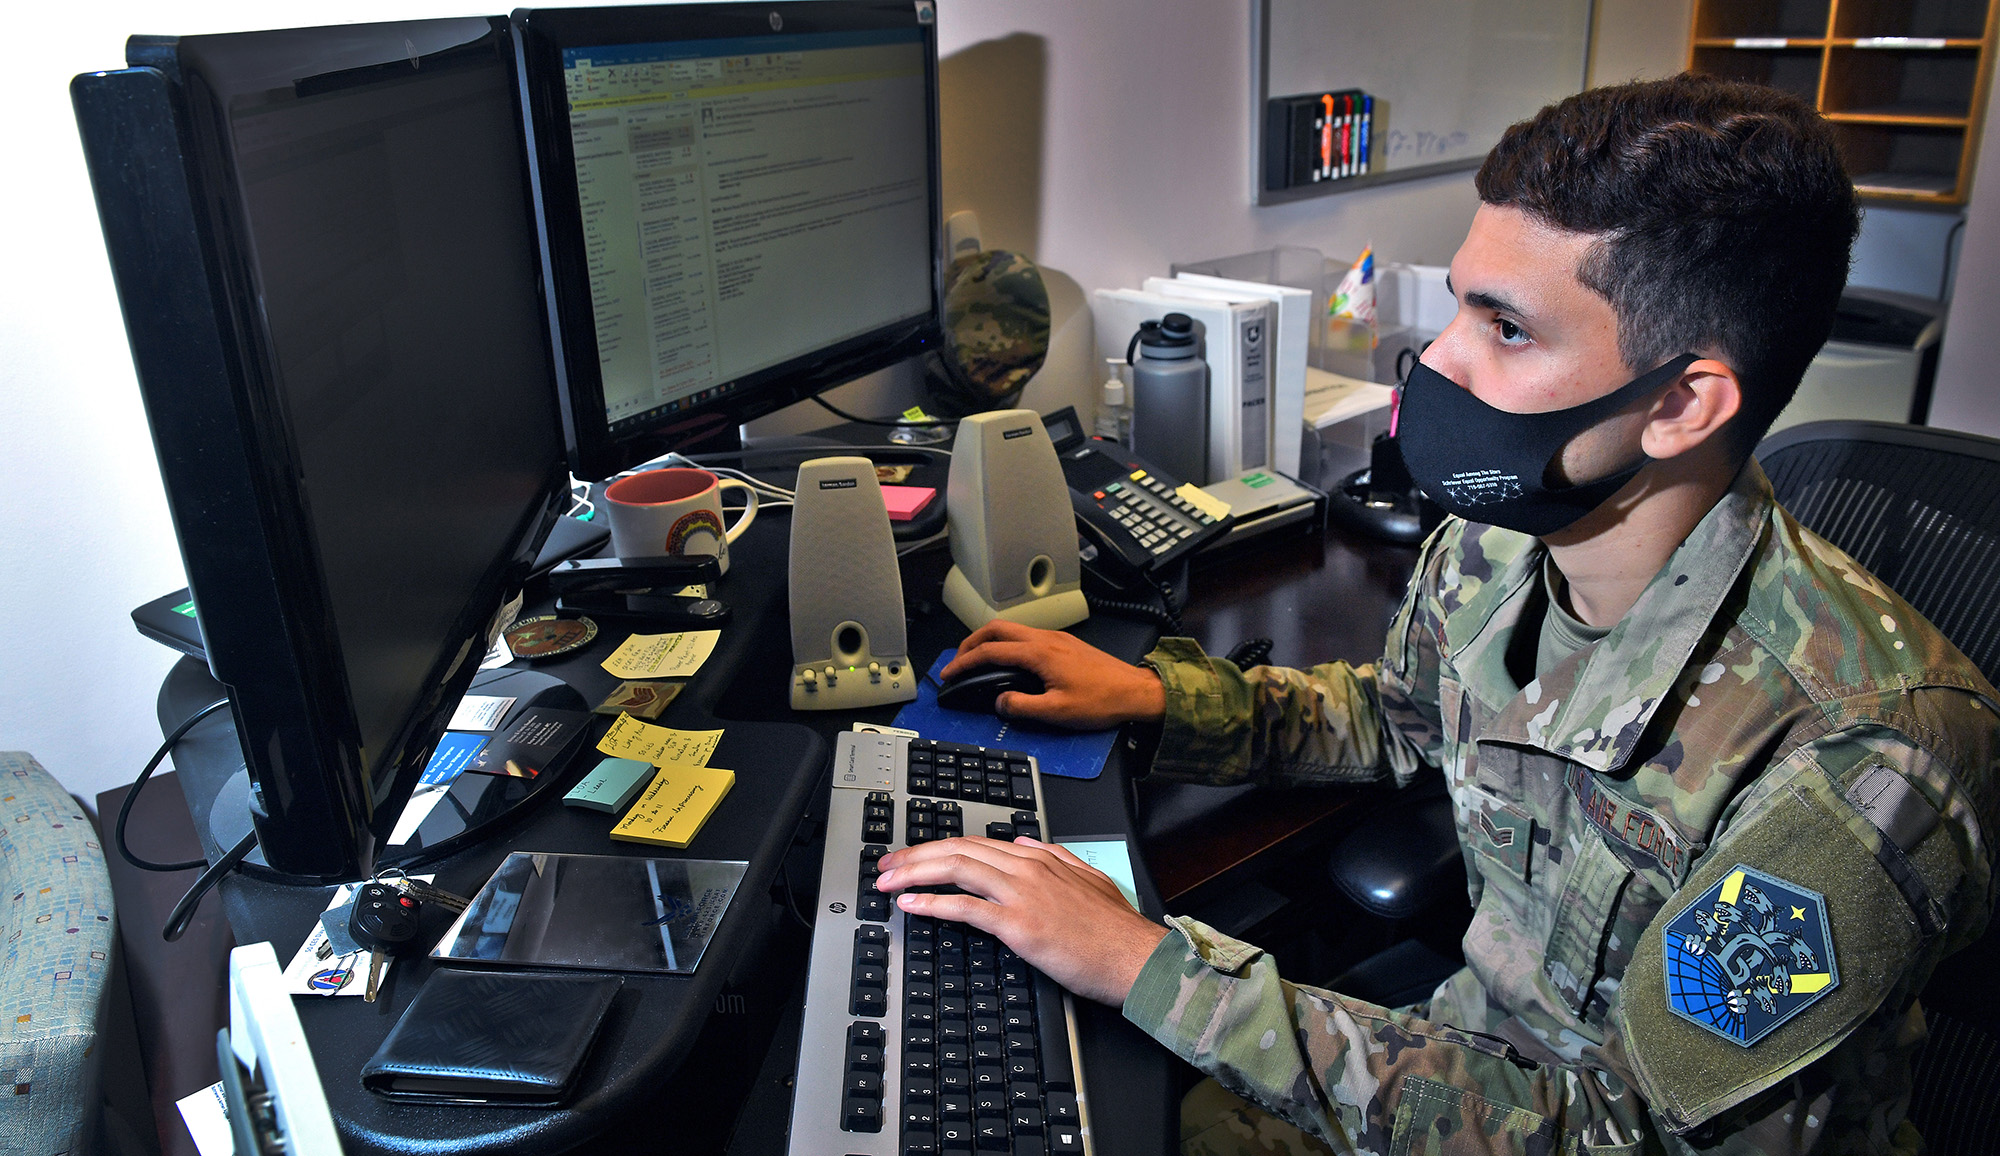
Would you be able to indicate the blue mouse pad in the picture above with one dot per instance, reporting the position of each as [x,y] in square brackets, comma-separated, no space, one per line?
[1071,754]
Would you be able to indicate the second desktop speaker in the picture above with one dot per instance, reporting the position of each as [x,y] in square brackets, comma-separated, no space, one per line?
[849,648]
[1013,534]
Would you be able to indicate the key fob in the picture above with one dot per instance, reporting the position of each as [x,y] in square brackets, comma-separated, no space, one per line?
[334,923]
[383,918]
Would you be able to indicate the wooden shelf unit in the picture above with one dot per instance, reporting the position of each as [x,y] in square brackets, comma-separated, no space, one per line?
[1903,81]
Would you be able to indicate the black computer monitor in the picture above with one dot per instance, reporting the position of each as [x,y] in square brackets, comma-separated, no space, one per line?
[738,207]
[323,246]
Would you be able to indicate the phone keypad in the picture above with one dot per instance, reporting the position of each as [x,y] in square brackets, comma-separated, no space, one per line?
[1156,517]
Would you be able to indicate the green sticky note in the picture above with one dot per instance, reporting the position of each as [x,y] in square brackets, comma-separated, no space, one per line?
[613,784]
[1111,856]
[1258,481]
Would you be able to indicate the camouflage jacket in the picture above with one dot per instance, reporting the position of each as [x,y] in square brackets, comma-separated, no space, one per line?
[1766,704]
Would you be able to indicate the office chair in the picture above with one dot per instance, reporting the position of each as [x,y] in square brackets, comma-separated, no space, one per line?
[1920,509]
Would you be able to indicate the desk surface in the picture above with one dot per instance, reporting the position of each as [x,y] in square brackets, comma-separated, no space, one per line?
[754,965]
[1316,598]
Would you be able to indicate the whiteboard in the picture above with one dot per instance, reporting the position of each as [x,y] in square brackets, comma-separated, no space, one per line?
[1447,75]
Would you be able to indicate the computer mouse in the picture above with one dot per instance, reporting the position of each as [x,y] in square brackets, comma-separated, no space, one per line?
[976,689]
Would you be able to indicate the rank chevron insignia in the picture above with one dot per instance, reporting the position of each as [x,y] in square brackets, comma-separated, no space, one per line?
[1751,953]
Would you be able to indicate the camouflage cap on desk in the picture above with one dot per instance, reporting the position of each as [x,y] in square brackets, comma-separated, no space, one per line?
[996,319]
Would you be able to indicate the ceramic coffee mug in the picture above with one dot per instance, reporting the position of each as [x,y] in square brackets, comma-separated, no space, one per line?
[674,511]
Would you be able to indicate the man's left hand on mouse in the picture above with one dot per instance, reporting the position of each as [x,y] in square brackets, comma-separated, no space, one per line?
[1060,914]
[1087,689]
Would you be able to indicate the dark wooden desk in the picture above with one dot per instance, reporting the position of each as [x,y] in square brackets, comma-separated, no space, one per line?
[1317,599]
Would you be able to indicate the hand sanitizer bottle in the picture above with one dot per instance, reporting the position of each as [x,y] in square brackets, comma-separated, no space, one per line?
[1114,409]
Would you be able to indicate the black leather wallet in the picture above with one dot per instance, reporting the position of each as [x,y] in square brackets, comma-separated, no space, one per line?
[492,1037]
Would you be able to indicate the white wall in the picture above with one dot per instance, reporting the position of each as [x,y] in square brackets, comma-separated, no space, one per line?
[1968,393]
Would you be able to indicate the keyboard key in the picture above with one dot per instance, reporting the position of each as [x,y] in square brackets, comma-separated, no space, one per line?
[868,1084]
[871,975]
[1052,1037]
[991,1134]
[1001,831]
[864,1035]
[919,1040]
[861,1114]
[988,1101]
[1061,1107]
[1026,1121]
[988,1076]
[868,1002]
[1029,1146]
[920,1142]
[1065,1140]
[864,1059]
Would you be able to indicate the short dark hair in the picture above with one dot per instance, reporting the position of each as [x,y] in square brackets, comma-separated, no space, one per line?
[1727,222]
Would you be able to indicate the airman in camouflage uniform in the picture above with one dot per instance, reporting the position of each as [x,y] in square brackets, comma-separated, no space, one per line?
[1766,702]
[1763,768]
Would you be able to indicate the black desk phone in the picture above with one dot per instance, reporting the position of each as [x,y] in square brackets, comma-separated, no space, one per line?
[1131,525]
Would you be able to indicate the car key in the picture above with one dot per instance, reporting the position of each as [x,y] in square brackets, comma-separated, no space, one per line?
[383,920]
[424,892]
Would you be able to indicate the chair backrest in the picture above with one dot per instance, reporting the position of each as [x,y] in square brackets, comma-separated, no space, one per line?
[1918,507]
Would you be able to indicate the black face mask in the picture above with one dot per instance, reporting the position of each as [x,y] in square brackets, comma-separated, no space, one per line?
[1488,465]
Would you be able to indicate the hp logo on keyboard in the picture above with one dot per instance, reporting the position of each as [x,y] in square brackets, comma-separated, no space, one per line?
[837,908]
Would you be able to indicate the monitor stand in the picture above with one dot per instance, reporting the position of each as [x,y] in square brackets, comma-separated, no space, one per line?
[471,806]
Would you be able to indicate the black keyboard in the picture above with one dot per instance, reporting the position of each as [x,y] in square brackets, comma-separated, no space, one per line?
[924,1036]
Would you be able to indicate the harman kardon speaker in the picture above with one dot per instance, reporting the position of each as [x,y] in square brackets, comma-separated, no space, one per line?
[848,644]
[1013,535]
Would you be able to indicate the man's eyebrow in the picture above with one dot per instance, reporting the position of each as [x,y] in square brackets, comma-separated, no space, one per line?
[1495,303]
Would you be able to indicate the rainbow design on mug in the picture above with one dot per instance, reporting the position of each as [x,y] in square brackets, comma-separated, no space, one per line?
[691,523]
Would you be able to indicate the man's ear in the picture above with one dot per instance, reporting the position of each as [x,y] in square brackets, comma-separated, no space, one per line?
[1693,410]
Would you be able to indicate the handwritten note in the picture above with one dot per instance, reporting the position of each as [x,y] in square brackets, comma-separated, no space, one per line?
[662,655]
[675,805]
[629,738]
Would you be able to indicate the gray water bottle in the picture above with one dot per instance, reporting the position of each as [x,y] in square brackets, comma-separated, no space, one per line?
[1170,396]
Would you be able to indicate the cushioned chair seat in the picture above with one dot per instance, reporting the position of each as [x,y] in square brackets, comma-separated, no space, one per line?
[56,931]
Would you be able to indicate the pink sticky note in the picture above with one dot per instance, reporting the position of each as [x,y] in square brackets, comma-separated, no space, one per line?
[905,501]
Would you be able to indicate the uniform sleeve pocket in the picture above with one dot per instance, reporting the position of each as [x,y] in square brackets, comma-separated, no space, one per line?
[1719,1002]
[1436,1119]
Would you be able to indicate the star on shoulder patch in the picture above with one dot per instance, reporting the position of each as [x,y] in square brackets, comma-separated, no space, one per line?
[1751,953]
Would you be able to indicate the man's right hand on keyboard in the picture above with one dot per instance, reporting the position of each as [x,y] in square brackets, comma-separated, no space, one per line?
[1063,916]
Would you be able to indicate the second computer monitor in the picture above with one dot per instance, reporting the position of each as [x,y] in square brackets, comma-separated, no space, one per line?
[739,208]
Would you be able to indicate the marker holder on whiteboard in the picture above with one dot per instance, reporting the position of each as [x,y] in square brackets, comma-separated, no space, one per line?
[1315,137]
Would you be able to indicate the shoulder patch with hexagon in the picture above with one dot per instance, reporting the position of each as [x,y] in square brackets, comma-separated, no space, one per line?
[1751,953]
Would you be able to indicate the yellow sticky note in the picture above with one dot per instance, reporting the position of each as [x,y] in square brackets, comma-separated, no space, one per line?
[1202,500]
[662,655]
[629,738]
[674,805]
